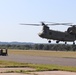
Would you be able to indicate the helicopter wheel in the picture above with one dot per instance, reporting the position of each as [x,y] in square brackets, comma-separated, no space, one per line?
[73,43]
[57,41]
[49,41]
[65,42]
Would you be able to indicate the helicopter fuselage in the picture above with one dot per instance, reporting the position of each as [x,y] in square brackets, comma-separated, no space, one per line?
[57,35]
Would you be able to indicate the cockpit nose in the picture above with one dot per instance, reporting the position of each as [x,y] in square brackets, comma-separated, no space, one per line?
[41,35]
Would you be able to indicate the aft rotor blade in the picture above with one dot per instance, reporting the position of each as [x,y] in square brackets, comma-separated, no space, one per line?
[30,24]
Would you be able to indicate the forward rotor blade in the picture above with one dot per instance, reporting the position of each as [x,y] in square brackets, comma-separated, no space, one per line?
[47,22]
[69,24]
[50,23]
[55,22]
[30,24]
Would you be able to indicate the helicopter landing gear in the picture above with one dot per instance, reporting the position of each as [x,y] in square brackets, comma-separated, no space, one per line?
[73,43]
[65,42]
[49,41]
[57,41]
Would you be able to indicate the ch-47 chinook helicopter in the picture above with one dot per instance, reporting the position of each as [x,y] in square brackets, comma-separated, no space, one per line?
[49,34]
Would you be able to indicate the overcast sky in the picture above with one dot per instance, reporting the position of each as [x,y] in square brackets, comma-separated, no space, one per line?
[13,12]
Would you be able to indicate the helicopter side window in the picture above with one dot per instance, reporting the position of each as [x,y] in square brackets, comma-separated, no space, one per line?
[66,35]
[50,33]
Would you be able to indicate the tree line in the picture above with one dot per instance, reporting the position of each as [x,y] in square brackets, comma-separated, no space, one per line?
[51,47]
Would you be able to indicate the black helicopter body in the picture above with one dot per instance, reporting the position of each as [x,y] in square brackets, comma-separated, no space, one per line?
[57,35]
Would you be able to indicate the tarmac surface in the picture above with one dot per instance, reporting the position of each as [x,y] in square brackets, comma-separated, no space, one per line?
[40,59]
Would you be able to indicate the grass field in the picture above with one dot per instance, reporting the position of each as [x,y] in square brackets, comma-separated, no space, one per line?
[37,67]
[66,54]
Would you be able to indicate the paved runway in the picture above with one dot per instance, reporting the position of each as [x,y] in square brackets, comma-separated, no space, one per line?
[40,59]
